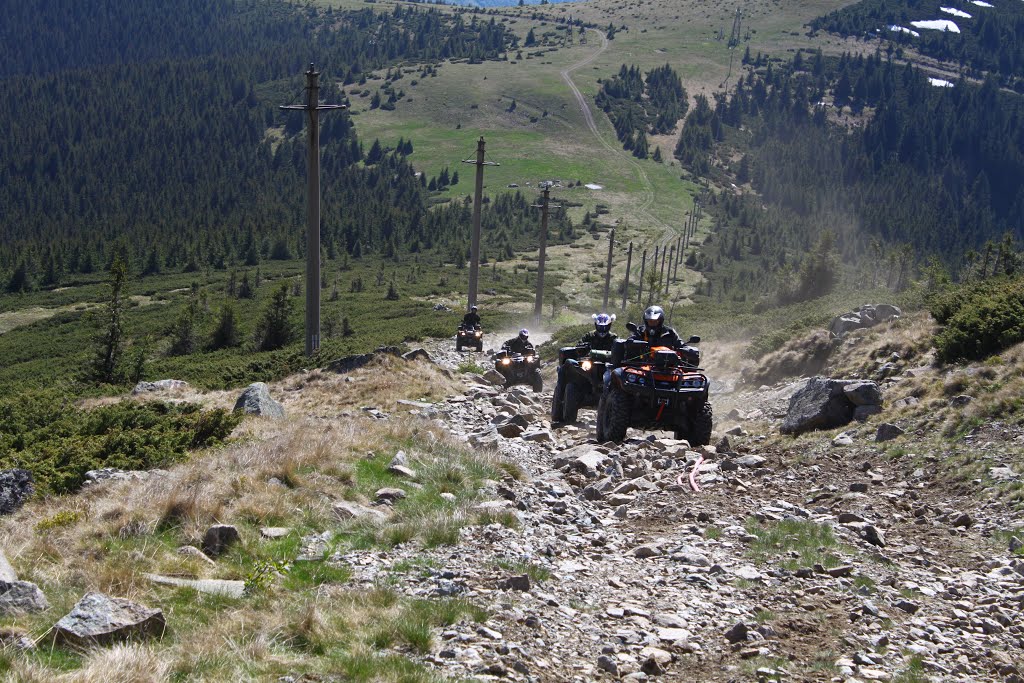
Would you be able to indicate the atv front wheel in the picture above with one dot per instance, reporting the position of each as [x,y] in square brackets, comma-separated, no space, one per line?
[538,382]
[556,400]
[571,406]
[700,426]
[616,415]
[458,346]
[600,419]
[480,346]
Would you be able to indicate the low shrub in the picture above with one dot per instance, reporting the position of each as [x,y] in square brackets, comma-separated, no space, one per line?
[979,319]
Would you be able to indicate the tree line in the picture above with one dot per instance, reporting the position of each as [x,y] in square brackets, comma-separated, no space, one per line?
[173,153]
[639,105]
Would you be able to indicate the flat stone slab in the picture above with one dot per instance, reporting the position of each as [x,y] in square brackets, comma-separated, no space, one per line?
[275,532]
[232,589]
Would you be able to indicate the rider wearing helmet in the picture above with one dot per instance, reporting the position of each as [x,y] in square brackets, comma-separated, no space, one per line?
[472,318]
[520,344]
[654,330]
[601,339]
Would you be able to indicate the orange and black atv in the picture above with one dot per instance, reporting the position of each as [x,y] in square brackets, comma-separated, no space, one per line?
[655,388]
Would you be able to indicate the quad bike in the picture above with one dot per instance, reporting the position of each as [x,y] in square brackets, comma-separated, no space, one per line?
[518,368]
[656,388]
[469,336]
[580,380]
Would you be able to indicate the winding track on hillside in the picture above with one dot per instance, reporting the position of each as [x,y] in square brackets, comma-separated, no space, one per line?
[669,233]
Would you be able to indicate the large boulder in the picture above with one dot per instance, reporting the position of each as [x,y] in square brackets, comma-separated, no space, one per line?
[99,619]
[15,488]
[256,400]
[824,403]
[867,315]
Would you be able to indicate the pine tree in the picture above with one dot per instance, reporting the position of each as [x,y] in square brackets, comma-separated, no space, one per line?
[108,357]
[226,333]
[274,330]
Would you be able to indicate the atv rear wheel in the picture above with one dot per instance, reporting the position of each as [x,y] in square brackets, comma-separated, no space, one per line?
[458,346]
[616,415]
[571,405]
[556,400]
[538,382]
[479,346]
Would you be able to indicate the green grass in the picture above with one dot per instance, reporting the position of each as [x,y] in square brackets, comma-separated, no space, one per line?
[814,543]
[913,672]
[537,573]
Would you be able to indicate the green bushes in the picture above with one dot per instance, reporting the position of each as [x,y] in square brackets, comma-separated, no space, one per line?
[46,434]
[978,319]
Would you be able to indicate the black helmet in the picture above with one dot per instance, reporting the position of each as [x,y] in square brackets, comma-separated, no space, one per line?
[524,334]
[603,323]
[654,317]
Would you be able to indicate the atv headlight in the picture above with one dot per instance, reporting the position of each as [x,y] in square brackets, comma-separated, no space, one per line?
[505,361]
[529,359]
[586,365]
[478,334]
[692,383]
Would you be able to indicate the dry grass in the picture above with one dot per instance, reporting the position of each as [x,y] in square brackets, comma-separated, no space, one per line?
[275,473]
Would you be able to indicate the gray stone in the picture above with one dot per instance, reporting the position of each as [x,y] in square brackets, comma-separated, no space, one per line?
[738,633]
[887,432]
[820,404]
[963,519]
[218,538]
[842,439]
[232,589]
[389,495]
[195,553]
[21,597]
[416,354]
[749,460]
[510,430]
[592,463]
[494,377]
[345,510]
[7,572]
[159,385]
[908,606]
[862,413]
[256,400]
[402,471]
[15,488]
[648,550]
[872,535]
[275,532]
[98,619]
[517,583]
[400,460]
[606,663]
[960,401]
[1015,544]
[863,394]
[539,436]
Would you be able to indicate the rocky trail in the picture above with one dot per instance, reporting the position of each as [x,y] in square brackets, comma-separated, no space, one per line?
[831,563]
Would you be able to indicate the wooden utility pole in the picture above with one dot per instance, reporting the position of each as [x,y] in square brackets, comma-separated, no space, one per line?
[608,273]
[661,273]
[474,255]
[313,108]
[668,275]
[625,287]
[543,206]
[640,288]
[679,257]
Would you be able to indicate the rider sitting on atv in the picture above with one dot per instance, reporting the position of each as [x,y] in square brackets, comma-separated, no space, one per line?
[655,332]
[471,319]
[520,344]
[601,338]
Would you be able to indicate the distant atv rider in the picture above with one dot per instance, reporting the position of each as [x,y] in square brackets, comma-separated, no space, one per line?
[471,319]
[520,344]
[601,339]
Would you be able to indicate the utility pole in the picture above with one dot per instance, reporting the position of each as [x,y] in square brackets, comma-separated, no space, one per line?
[661,273]
[679,257]
[474,255]
[625,288]
[313,107]
[608,273]
[543,206]
[668,275]
[640,289]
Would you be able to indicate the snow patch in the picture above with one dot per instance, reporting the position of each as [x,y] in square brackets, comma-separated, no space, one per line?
[982,3]
[593,186]
[940,83]
[903,29]
[937,25]
[955,12]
